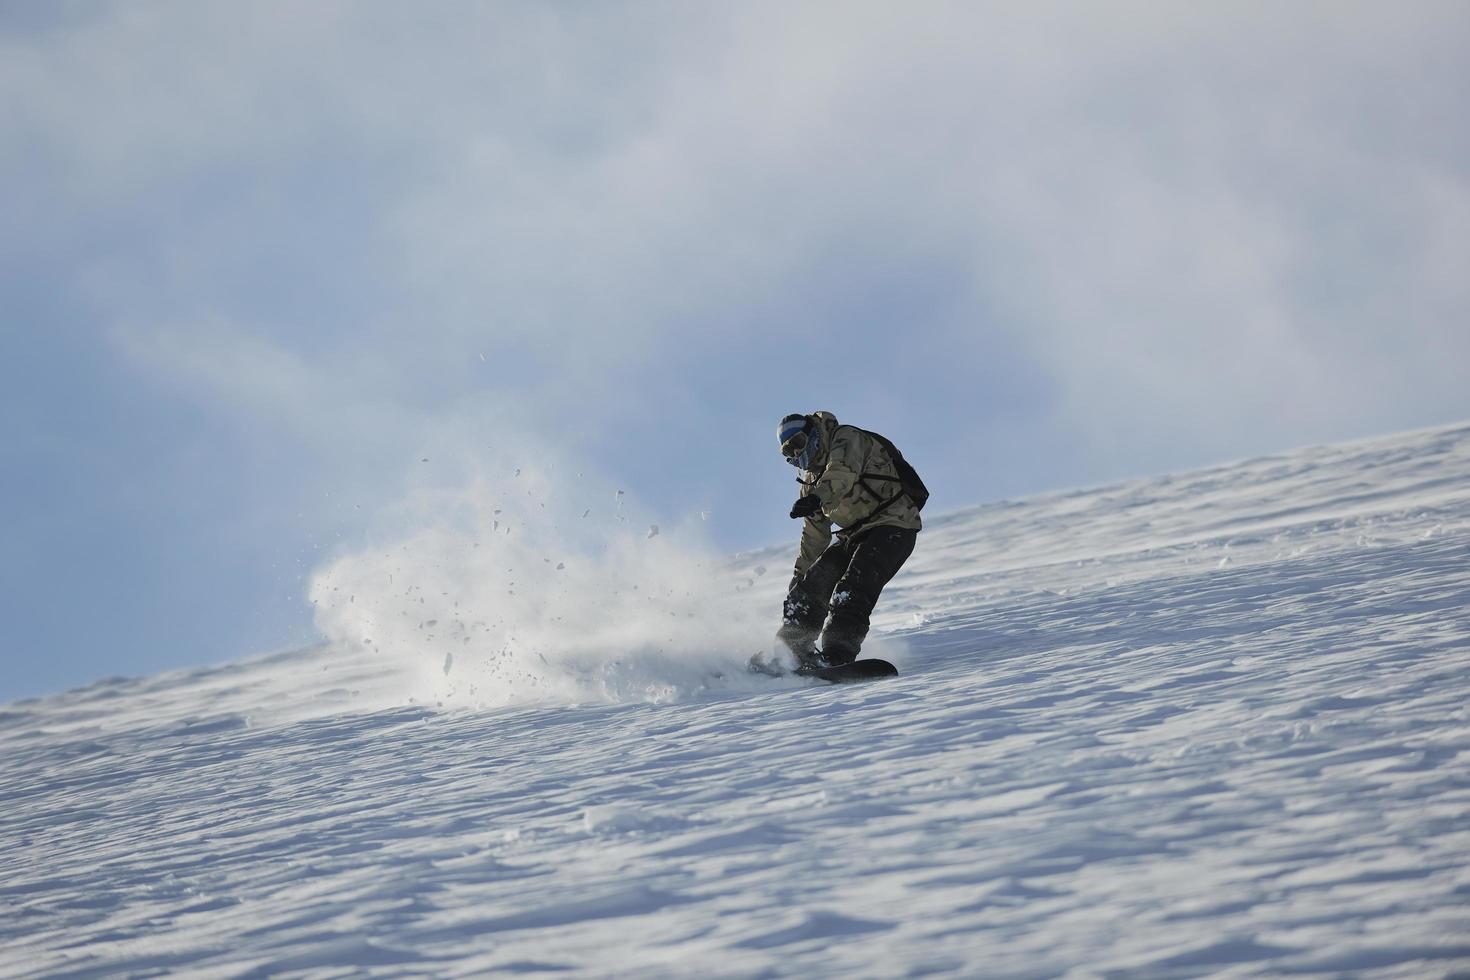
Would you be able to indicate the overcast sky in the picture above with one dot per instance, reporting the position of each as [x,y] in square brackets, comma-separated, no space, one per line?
[258,261]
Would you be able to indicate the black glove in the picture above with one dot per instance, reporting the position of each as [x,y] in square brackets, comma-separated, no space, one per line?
[806,506]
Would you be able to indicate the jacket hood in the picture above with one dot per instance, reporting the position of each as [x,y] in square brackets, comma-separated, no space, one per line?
[826,425]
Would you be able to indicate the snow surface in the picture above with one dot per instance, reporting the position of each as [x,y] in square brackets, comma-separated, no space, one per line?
[1212,723]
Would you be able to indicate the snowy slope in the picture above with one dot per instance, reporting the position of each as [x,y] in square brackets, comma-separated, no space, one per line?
[1213,723]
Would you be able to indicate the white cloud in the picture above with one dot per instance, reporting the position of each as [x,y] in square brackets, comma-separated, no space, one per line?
[1223,225]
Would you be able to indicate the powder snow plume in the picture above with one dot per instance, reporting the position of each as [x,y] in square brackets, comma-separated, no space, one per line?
[531,589]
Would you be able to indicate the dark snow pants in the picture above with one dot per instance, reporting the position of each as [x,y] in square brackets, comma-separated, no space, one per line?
[841,588]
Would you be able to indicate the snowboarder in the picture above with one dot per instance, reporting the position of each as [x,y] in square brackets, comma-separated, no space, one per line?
[859,481]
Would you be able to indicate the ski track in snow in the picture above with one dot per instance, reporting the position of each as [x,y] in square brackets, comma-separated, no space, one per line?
[1212,723]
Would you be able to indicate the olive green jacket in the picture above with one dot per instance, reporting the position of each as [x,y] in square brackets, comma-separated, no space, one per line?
[854,478]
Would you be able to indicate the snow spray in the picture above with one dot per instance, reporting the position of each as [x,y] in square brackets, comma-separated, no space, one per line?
[534,587]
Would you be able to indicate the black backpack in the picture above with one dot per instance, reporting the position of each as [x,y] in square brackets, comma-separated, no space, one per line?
[908,477]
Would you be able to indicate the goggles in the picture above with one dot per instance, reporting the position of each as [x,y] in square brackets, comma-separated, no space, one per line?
[795,446]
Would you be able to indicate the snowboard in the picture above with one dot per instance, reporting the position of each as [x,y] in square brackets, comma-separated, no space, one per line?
[859,670]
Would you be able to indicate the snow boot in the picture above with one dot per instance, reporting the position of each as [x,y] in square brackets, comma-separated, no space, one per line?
[840,649]
[802,642]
